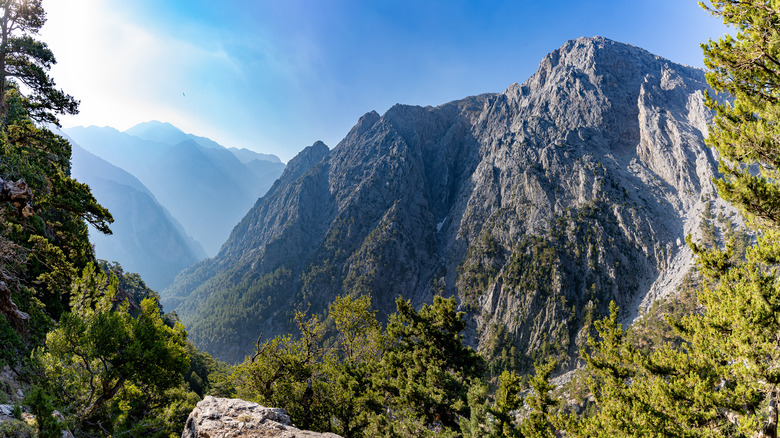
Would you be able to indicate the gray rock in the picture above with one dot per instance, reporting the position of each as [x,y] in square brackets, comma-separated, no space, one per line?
[227,418]
[535,207]
[6,410]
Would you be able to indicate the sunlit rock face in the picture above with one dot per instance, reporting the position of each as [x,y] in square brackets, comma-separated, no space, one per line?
[215,417]
[535,207]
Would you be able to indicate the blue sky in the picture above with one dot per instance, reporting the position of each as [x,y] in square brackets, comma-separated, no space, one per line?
[277,75]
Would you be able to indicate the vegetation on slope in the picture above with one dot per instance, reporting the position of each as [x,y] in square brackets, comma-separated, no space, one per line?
[92,342]
[87,340]
[711,368]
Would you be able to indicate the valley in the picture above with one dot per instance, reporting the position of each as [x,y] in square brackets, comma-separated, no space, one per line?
[176,196]
[590,251]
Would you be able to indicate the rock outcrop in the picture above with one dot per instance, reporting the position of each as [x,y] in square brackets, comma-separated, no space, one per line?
[535,207]
[19,194]
[228,418]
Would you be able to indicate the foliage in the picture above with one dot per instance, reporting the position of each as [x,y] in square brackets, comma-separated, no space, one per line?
[26,61]
[507,401]
[655,327]
[11,344]
[41,407]
[479,267]
[207,375]
[245,299]
[130,286]
[669,392]
[500,351]
[412,380]
[480,419]
[539,424]
[359,346]
[53,241]
[105,366]
[16,429]
[288,373]
[426,370]
[745,130]
[739,321]
[322,388]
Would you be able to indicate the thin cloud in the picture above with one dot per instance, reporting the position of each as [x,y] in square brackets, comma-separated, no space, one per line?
[121,72]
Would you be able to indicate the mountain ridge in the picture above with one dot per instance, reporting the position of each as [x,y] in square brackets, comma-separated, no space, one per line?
[206,188]
[535,207]
[146,238]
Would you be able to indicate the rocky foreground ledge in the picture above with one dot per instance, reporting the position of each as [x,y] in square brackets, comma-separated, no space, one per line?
[215,417]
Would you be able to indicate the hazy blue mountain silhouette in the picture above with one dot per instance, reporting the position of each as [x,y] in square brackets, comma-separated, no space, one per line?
[146,239]
[203,185]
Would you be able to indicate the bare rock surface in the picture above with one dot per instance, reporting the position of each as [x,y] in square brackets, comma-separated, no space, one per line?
[535,207]
[215,417]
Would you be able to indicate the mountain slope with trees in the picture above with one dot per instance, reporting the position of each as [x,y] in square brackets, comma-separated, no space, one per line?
[535,207]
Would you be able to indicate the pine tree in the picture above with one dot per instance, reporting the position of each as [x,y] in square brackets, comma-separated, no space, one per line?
[106,368]
[745,130]
[426,370]
[26,61]
[741,311]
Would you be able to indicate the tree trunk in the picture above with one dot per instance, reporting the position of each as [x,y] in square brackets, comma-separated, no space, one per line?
[770,431]
[3,52]
[106,396]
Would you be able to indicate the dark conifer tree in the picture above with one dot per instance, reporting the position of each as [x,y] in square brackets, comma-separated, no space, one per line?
[25,62]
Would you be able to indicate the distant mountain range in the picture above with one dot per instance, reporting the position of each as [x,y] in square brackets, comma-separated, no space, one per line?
[175,196]
[146,239]
[535,207]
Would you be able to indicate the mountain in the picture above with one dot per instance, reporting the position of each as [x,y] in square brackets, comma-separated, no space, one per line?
[204,186]
[166,133]
[146,239]
[535,207]
[247,156]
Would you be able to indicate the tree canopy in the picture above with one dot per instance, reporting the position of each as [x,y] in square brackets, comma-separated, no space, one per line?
[25,62]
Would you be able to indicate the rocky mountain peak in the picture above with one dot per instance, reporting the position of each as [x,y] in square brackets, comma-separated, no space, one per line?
[535,207]
[302,162]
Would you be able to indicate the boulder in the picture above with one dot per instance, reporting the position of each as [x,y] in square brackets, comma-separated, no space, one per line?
[215,417]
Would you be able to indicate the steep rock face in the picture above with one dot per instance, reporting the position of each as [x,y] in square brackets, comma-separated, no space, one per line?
[535,207]
[227,417]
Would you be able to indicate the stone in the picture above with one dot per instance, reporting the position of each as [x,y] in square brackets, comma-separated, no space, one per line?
[215,417]
[6,410]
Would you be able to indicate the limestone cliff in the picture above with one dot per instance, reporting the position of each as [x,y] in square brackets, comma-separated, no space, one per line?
[535,207]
